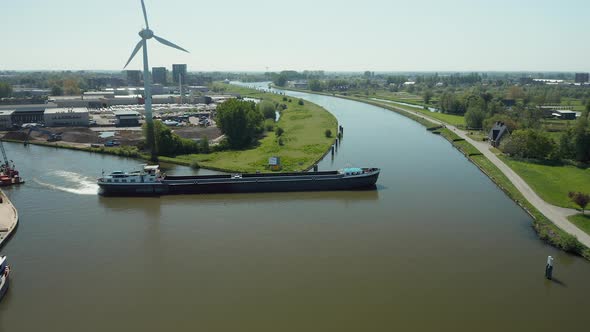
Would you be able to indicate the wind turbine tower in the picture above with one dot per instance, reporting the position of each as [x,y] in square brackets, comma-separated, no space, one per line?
[146,34]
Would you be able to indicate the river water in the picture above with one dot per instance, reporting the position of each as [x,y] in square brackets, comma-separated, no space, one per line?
[436,247]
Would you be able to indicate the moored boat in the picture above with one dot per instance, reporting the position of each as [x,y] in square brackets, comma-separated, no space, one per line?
[150,181]
[4,273]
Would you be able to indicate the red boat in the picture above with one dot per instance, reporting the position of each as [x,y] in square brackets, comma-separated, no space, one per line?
[8,174]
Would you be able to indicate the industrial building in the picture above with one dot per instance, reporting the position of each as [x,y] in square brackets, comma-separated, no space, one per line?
[126,118]
[565,114]
[159,75]
[582,77]
[6,119]
[179,70]
[64,117]
[133,77]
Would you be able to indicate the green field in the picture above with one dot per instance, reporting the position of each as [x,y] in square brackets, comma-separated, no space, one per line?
[452,119]
[582,221]
[304,140]
[552,183]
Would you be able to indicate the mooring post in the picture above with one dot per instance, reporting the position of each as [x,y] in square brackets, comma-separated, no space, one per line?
[549,268]
[341,130]
[332,150]
[315,167]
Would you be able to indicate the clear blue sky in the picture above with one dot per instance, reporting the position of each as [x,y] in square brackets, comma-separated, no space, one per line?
[379,35]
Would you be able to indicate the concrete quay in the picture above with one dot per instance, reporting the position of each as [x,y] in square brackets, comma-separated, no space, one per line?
[8,218]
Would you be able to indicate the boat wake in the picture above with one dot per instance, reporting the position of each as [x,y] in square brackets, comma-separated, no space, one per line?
[77,184]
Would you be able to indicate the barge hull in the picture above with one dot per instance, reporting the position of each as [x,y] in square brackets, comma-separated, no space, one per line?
[199,185]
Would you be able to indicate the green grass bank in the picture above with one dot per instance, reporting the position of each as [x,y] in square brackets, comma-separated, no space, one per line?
[302,144]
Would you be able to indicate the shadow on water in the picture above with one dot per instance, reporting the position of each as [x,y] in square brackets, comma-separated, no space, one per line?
[558,282]
[152,205]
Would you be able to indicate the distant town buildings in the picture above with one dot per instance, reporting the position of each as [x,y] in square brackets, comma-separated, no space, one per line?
[133,77]
[179,72]
[582,78]
[159,75]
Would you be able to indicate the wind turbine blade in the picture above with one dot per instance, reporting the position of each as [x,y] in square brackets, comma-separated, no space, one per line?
[167,43]
[147,25]
[137,48]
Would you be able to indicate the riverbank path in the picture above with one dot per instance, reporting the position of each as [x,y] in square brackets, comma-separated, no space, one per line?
[8,218]
[556,214]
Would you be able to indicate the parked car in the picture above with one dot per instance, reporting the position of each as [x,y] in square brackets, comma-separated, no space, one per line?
[112,143]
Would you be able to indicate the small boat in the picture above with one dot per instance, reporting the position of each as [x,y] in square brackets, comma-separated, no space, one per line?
[5,272]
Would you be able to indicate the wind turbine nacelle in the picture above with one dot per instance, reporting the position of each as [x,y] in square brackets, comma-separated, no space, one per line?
[146,34]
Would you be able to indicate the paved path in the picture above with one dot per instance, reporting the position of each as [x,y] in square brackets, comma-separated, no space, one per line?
[556,214]
[8,218]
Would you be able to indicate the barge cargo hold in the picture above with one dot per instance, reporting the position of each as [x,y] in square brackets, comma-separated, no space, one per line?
[150,181]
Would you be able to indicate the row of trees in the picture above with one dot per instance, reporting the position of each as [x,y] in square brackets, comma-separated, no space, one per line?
[530,142]
[170,144]
[5,90]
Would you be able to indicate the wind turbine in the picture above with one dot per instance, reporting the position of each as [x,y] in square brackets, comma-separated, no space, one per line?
[146,34]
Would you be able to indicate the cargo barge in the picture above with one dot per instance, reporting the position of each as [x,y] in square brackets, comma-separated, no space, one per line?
[151,182]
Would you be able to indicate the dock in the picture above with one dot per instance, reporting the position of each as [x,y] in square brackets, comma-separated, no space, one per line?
[8,218]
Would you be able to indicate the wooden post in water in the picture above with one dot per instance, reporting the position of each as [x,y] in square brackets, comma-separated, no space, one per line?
[315,167]
[333,151]
[549,268]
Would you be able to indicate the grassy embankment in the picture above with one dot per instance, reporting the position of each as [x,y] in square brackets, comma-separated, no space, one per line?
[546,230]
[552,183]
[582,221]
[304,140]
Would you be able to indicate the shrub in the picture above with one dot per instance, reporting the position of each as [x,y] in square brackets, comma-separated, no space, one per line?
[581,199]
[267,109]
[300,102]
[279,131]
[328,133]
[281,143]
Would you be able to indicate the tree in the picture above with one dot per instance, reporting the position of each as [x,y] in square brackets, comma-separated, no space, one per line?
[315,85]
[515,92]
[581,199]
[5,90]
[240,121]
[427,96]
[529,143]
[280,80]
[204,145]
[507,120]
[166,142]
[267,108]
[474,117]
[56,90]
[71,87]
[581,138]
